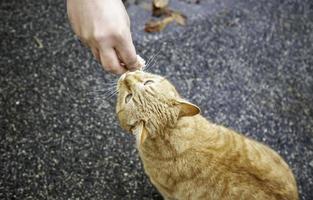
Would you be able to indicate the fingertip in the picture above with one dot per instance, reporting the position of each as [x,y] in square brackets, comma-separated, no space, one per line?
[130,62]
[135,65]
[118,70]
[110,62]
[127,53]
[114,69]
[139,64]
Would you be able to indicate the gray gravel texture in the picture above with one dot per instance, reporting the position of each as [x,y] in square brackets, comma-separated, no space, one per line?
[248,65]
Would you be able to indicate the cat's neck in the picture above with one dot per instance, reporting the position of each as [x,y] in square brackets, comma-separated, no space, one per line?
[172,141]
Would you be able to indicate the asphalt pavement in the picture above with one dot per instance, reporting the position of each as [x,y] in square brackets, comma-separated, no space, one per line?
[247,64]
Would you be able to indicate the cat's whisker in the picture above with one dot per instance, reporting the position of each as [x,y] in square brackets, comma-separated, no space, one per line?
[147,64]
[112,81]
[103,92]
[100,93]
[152,59]
[108,85]
[105,89]
[111,94]
[151,62]
[111,90]
[151,65]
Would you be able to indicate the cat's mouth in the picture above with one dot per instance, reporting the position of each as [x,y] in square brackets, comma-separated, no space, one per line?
[134,128]
[140,132]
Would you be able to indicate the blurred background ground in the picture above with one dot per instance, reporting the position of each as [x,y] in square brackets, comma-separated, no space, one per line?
[247,64]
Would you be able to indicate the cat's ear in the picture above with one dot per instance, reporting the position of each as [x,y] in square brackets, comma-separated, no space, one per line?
[187,108]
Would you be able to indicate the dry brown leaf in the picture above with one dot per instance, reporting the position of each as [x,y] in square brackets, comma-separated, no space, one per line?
[179,18]
[160,3]
[159,7]
[38,42]
[157,26]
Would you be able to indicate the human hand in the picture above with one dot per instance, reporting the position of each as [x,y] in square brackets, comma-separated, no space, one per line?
[104,26]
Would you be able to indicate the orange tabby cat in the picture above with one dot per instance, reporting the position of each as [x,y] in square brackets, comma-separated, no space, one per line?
[188,157]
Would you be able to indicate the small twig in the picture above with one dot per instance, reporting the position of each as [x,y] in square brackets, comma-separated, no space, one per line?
[38,42]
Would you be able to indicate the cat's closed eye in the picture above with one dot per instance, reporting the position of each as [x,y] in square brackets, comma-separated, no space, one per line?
[128,97]
[148,82]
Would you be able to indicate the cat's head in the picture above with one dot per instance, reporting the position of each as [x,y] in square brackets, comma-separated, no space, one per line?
[150,101]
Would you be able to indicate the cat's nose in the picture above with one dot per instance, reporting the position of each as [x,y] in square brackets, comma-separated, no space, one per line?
[130,79]
[133,81]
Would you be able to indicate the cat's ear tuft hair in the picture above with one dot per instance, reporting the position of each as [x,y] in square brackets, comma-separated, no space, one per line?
[187,108]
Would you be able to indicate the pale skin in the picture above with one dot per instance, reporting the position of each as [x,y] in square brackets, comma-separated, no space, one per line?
[104,26]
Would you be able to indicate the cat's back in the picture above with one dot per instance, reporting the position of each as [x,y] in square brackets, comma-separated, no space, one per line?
[202,160]
[238,162]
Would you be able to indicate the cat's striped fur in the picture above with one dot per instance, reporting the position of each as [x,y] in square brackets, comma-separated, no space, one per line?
[188,157]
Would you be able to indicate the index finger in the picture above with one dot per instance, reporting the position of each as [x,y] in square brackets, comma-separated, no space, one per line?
[127,53]
[110,61]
